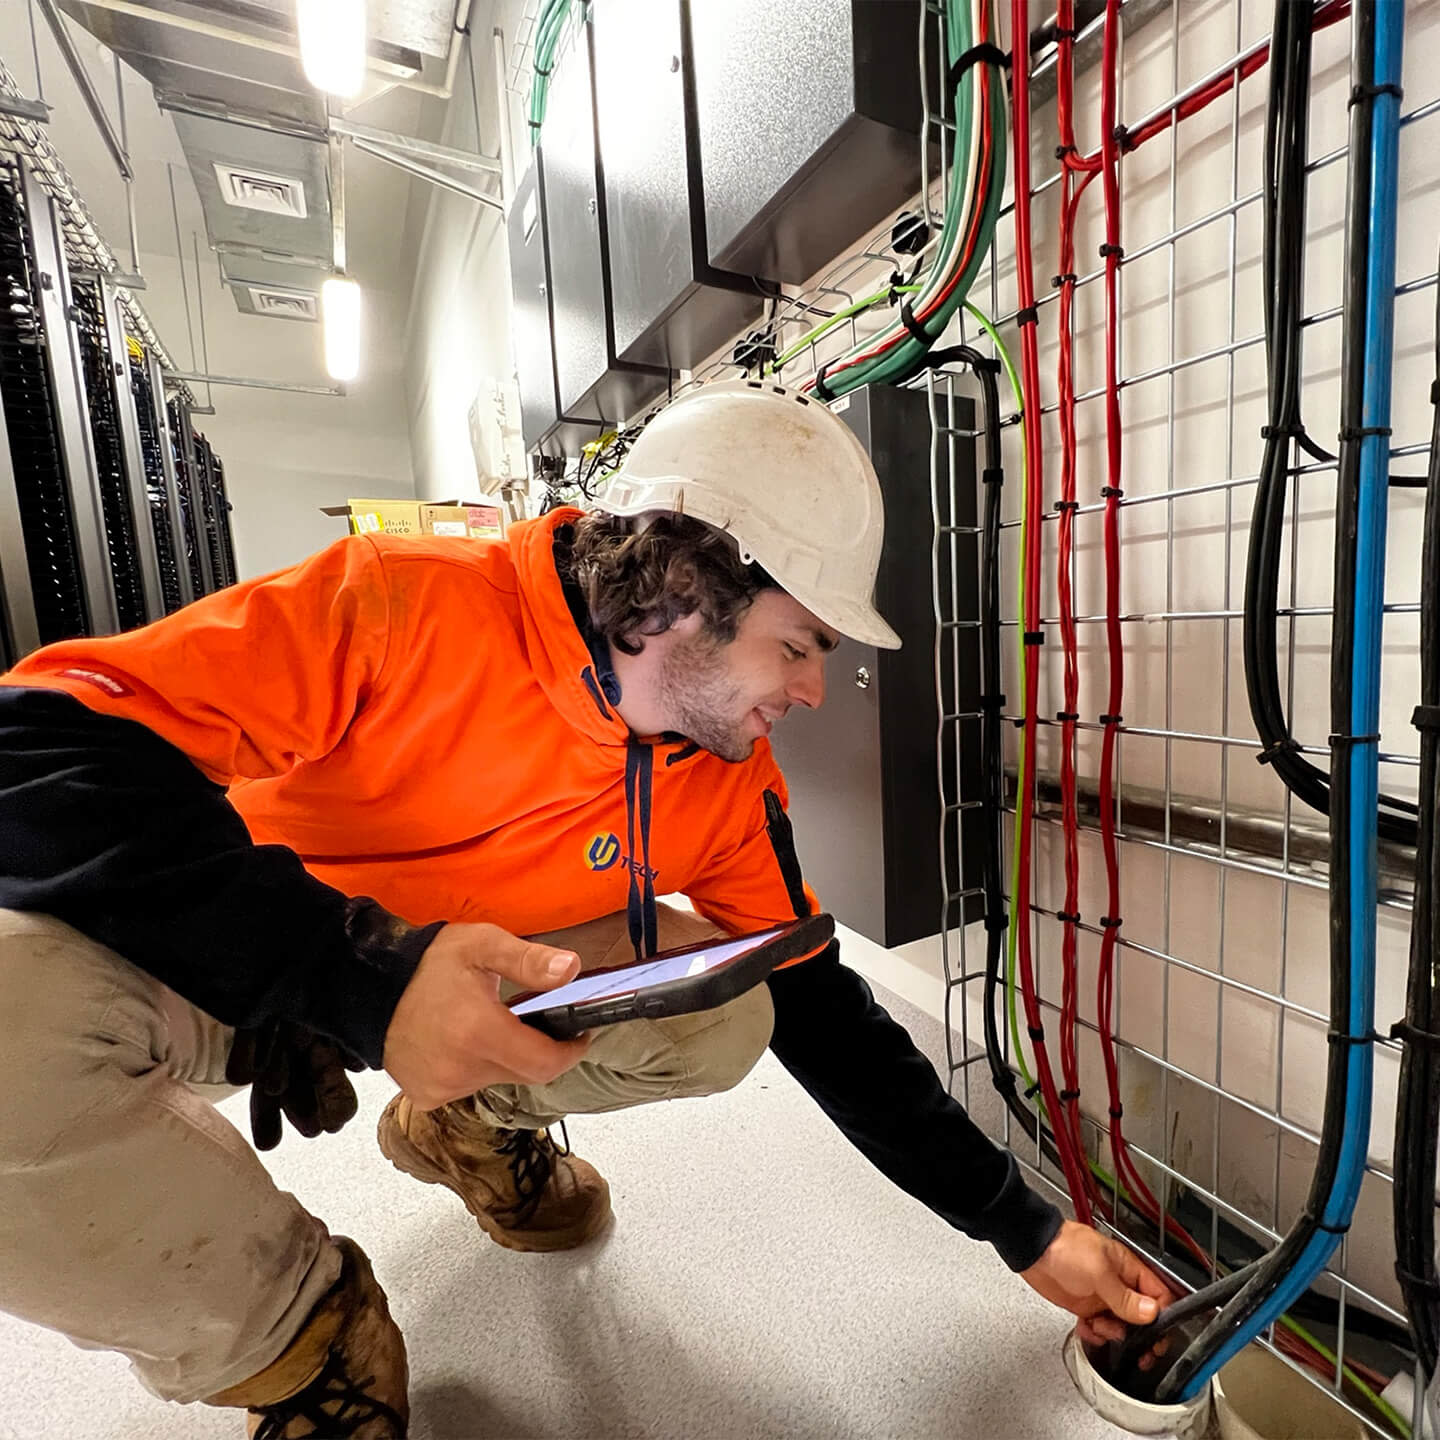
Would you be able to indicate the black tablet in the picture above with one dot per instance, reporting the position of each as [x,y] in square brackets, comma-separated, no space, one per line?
[674,982]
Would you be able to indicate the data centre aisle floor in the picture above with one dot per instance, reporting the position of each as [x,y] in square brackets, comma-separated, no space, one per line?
[761,1280]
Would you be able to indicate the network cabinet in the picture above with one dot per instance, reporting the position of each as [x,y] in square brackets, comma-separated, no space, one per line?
[862,770]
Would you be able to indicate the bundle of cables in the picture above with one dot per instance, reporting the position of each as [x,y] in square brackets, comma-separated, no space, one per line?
[898,351]
[1419,1100]
[1254,1297]
[549,27]
[1284,218]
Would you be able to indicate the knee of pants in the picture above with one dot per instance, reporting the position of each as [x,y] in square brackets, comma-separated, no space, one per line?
[78,1024]
[719,1054]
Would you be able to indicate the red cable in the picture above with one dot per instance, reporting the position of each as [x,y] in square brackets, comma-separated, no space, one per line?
[1070,816]
[1072,1160]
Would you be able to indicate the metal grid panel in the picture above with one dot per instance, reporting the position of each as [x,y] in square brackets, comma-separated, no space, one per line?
[1202,828]
[1221,973]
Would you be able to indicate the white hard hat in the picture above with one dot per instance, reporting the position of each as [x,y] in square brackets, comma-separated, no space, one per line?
[779,473]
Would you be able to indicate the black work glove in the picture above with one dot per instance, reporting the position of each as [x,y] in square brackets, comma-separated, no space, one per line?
[292,1070]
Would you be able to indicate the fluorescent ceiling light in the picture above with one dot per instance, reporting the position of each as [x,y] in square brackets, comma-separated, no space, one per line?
[332,44]
[340,305]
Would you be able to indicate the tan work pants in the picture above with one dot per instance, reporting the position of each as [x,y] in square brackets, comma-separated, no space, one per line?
[134,1217]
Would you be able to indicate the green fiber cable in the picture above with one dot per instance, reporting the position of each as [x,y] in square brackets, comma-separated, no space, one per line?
[1382,1405]
[839,316]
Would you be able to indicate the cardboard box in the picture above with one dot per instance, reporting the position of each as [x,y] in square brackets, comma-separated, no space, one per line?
[415,517]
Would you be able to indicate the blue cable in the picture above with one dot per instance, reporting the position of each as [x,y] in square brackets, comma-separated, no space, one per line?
[1365,691]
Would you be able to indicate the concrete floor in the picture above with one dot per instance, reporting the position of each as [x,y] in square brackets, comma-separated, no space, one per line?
[761,1280]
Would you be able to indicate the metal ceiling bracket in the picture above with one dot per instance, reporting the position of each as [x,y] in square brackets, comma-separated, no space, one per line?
[23,109]
[408,145]
[86,86]
[413,166]
[173,377]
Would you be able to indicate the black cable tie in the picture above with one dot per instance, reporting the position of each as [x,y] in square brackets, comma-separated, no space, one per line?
[1360,432]
[1122,138]
[1117,1112]
[1028,316]
[1112,719]
[1435,392]
[1359,93]
[997,923]
[533,124]
[1108,490]
[1110,922]
[917,331]
[544,74]
[1012,420]
[1414,1284]
[1067,917]
[1426,717]
[1061,151]
[985,364]
[1067,1095]
[1063,32]
[992,475]
[1336,1037]
[985,54]
[1037,1032]
[992,702]
[1345,742]
[1285,745]
[821,390]
[1034,637]
[1019,722]
[1004,1082]
[1332,1229]
[1033,1090]
[1068,278]
[1409,1034]
[1064,505]
[1107,250]
[1071,715]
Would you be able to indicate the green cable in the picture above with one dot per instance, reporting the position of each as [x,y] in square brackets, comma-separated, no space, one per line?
[1381,1404]
[838,317]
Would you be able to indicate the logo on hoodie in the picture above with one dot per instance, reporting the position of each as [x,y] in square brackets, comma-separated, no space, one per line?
[604,851]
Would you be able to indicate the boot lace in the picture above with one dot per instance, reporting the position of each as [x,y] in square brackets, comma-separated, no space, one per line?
[532,1155]
[335,1406]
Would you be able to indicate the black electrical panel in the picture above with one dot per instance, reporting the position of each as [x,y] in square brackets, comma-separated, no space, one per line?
[670,306]
[862,770]
[809,116]
[592,384]
[108,448]
[161,520]
[51,549]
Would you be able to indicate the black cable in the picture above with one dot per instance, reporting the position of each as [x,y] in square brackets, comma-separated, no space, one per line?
[1418,1110]
[1286,131]
[1289,53]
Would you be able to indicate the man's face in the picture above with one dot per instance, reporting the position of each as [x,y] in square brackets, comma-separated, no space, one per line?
[724,697]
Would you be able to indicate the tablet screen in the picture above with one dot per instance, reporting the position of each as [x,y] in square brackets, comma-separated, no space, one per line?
[601,985]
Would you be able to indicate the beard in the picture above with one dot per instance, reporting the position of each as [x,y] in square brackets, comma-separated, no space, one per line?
[704,702]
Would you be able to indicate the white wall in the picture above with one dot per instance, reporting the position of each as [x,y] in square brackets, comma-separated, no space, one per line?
[285,455]
[459,334]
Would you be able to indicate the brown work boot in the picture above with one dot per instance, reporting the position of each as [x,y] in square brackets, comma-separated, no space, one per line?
[526,1192]
[343,1377]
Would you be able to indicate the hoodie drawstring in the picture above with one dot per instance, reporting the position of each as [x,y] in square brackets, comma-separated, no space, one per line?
[640,903]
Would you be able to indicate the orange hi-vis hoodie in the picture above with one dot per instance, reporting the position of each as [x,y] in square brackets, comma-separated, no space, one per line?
[421,721]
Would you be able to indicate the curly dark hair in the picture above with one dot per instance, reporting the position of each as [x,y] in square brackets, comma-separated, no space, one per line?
[639,576]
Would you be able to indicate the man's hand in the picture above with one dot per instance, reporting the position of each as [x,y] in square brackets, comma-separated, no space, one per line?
[451,1036]
[1101,1281]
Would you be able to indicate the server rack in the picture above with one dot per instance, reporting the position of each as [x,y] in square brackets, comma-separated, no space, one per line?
[44,593]
[153,441]
[214,511]
[122,534]
[192,525]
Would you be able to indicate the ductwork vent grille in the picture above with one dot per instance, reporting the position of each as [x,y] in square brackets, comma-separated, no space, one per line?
[260,190]
[287,304]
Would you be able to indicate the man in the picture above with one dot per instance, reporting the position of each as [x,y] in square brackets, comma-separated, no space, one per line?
[487,740]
